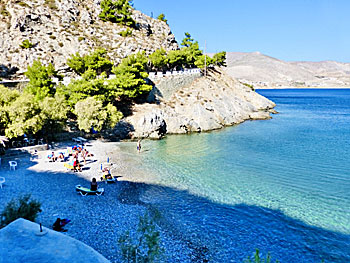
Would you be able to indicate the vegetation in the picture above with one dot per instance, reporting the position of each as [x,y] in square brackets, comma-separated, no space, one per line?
[126,33]
[21,208]
[144,245]
[257,259]
[97,61]
[118,11]
[161,17]
[26,44]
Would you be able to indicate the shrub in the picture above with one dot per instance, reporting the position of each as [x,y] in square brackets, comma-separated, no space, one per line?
[22,208]
[118,11]
[258,259]
[144,246]
[161,17]
[53,37]
[96,61]
[81,38]
[126,33]
[60,44]
[26,44]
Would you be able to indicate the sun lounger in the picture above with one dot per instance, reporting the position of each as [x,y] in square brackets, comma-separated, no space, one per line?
[2,181]
[86,191]
[113,179]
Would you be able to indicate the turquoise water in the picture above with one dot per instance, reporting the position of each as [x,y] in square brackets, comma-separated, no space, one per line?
[281,185]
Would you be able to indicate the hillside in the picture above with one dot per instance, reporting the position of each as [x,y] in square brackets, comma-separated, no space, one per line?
[60,28]
[264,71]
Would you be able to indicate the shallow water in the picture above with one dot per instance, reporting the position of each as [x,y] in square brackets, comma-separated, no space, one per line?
[281,185]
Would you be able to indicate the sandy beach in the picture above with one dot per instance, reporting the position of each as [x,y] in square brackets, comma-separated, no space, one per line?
[98,221]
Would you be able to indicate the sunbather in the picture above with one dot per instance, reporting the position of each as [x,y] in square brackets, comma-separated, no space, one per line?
[93,186]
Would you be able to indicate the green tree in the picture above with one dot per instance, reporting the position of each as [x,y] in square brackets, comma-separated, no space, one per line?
[203,61]
[21,208]
[118,11]
[24,115]
[219,59]
[158,59]
[7,96]
[161,17]
[90,113]
[144,246]
[40,80]
[129,81]
[96,61]
[187,41]
[113,116]
[176,59]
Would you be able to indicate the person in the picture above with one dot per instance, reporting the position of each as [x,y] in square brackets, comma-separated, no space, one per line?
[52,157]
[107,173]
[139,145]
[93,186]
[59,224]
[76,165]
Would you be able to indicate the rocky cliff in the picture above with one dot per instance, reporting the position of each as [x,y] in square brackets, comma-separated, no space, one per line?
[59,28]
[208,103]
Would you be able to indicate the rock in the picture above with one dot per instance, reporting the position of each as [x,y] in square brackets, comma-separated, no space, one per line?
[61,28]
[21,241]
[207,104]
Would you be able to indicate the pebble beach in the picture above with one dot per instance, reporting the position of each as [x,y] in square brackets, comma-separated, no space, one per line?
[98,221]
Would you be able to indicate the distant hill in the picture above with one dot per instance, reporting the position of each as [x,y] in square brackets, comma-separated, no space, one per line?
[264,71]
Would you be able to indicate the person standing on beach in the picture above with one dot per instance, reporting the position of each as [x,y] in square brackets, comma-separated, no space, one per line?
[139,145]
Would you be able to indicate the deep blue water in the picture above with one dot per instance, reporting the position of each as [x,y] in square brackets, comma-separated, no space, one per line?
[280,185]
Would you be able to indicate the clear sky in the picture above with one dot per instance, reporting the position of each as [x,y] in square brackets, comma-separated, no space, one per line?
[292,30]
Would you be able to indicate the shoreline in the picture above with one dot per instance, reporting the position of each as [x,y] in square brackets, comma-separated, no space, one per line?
[96,221]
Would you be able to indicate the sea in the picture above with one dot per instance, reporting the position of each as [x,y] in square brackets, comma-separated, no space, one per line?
[281,185]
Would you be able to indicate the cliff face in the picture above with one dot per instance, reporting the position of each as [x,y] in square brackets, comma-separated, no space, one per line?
[208,103]
[59,28]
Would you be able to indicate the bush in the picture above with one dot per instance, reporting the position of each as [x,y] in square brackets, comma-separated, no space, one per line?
[117,12]
[161,17]
[258,259]
[144,246]
[22,208]
[26,44]
[126,33]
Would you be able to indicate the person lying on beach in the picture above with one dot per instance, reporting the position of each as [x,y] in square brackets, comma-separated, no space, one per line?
[93,185]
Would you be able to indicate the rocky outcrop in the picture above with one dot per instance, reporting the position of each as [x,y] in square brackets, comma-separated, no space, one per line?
[209,103]
[58,29]
[22,241]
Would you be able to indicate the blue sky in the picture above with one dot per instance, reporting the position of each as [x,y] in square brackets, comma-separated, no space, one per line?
[299,30]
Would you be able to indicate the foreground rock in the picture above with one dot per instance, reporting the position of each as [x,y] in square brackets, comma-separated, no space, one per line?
[209,103]
[21,242]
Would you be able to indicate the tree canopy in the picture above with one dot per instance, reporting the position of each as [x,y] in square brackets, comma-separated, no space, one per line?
[118,11]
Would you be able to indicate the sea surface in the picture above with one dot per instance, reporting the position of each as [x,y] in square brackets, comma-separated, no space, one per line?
[279,185]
